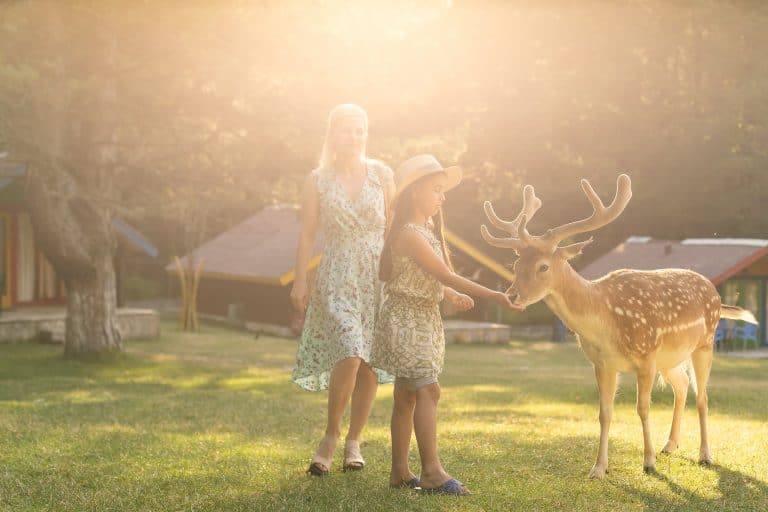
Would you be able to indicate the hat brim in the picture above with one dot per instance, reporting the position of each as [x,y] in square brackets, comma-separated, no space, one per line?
[453,174]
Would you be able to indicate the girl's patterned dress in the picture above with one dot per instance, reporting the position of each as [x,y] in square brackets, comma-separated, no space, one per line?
[409,340]
[346,295]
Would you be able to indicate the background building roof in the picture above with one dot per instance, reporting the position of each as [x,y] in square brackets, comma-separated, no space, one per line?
[261,248]
[715,259]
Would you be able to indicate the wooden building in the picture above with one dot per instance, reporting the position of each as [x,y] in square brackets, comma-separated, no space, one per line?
[248,270]
[27,279]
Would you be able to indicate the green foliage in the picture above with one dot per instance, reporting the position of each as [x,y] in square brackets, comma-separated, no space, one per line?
[211,421]
[212,110]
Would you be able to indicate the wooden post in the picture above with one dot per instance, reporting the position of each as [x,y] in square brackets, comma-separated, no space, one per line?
[189,280]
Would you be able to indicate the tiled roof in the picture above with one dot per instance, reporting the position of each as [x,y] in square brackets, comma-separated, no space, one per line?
[260,248]
[716,259]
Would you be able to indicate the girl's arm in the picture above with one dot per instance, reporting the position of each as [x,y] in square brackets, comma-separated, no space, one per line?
[450,293]
[310,214]
[410,243]
[460,301]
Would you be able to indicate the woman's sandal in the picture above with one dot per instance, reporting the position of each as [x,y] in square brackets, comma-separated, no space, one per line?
[319,465]
[452,486]
[353,459]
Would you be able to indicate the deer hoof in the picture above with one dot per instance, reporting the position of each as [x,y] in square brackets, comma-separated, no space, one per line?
[649,470]
[598,472]
[705,462]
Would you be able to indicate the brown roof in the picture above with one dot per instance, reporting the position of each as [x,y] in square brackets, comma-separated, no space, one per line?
[715,259]
[261,248]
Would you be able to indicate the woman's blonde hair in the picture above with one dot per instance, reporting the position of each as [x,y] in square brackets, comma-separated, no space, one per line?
[338,112]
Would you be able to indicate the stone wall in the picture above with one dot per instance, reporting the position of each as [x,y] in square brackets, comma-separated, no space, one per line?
[459,331]
[48,325]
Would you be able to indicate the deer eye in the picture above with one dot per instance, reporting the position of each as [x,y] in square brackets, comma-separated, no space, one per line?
[544,267]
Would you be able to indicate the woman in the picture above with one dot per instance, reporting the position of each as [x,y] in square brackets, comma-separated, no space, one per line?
[347,197]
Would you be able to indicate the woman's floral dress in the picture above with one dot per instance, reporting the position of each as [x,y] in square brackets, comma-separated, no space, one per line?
[346,296]
[409,340]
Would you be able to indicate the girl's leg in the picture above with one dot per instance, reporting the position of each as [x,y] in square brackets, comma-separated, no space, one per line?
[425,425]
[340,388]
[401,428]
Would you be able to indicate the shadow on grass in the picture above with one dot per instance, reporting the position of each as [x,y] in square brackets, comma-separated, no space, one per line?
[197,426]
[738,492]
[524,476]
[561,373]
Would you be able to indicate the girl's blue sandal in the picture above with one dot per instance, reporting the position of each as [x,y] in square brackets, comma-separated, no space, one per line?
[452,486]
[413,483]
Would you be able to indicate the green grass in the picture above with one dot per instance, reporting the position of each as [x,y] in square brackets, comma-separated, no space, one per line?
[211,421]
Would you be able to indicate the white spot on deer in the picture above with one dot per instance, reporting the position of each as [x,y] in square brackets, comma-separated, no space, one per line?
[642,319]
[618,311]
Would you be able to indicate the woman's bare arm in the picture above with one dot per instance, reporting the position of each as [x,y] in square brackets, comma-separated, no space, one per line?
[310,215]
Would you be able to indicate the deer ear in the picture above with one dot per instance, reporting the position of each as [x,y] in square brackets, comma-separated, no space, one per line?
[570,251]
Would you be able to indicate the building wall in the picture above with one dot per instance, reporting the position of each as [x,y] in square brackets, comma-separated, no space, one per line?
[29,278]
[262,303]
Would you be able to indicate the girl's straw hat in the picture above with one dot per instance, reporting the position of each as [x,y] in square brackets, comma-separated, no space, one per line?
[422,165]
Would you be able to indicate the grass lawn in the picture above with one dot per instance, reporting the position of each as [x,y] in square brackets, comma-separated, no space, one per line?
[211,421]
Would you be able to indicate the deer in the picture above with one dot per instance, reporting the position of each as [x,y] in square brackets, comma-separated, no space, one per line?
[628,321]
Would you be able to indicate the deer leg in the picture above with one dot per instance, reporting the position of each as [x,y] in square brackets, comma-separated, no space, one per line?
[679,381]
[702,364]
[644,385]
[606,385]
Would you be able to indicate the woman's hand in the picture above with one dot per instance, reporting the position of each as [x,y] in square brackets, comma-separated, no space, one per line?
[460,301]
[502,299]
[300,295]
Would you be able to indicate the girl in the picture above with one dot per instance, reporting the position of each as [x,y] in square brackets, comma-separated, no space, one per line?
[409,341]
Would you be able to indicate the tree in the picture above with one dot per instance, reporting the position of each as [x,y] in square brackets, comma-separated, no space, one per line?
[109,126]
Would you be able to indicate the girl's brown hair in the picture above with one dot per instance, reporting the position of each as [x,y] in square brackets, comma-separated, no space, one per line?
[402,209]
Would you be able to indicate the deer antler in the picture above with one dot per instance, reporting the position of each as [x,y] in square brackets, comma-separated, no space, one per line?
[601,215]
[531,205]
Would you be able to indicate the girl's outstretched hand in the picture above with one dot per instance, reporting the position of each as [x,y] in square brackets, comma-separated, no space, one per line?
[502,299]
[461,302]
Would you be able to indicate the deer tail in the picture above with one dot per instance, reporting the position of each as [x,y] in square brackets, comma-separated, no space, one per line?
[735,313]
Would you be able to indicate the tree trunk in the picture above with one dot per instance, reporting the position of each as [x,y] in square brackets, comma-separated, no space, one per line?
[92,324]
[75,233]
